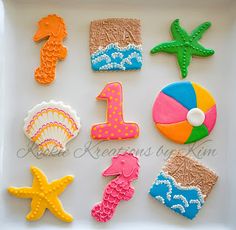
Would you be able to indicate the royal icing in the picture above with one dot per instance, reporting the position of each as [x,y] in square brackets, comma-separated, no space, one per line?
[184,112]
[184,45]
[44,196]
[115,128]
[53,27]
[51,125]
[115,44]
[126,167]
[183,185]
[195,117]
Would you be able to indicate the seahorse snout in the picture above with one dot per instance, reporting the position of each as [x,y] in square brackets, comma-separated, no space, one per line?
[39,35]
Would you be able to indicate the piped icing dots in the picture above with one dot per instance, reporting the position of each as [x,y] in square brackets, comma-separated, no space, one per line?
[115,44]
[183,185]
[51,125]
[44,196]
[185,45]
[115,127]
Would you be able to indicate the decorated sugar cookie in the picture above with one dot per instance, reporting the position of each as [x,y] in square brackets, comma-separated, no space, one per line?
[183,185]
[115,44]
[115,128]
[51,125]
[184,45]
[44,196]
[53,28]
[126,167]
[184,112]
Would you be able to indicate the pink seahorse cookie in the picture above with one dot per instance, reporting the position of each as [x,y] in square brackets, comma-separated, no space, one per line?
[126,167]
[115,128]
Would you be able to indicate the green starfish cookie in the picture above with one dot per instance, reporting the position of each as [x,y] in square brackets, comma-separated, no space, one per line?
[184,46]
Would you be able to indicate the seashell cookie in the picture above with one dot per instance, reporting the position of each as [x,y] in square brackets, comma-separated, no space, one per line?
[51,125]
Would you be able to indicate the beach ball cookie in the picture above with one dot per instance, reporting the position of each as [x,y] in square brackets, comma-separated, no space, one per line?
[115,128]
[184,112]
[183,185]
[53,29]
[51,125]
[115,44]
[184,45]
[44,196]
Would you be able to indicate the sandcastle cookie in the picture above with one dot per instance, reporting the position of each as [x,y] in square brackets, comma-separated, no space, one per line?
[184,112]
[115,128]
[126,167]
[184,45]
[51,125]
[183,185]
[44,196]
[53,28]
[115,44]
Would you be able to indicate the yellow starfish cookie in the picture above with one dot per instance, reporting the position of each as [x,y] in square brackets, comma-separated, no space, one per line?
[44,196]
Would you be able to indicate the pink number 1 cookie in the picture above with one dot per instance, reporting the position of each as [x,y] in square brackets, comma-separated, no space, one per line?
[115,128]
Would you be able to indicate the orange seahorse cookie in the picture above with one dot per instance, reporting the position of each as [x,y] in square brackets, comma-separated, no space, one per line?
[53,28]
[115,128]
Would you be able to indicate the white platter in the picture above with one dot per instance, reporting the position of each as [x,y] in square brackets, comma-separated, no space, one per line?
[78,86]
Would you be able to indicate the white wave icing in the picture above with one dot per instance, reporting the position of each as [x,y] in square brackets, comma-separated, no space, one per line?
[199,205]
[161,199]
[101,58]
[123,62]
[116,46]
[177,185]
[111,66]
[181,197]
[178,206]
[169,186]
[117,55]
[130,57]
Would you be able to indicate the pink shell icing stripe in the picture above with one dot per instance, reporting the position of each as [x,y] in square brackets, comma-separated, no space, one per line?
[47,110]
[52,124]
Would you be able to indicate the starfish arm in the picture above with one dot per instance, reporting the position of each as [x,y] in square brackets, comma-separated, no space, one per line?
[40,180]
[167,47]
[56,208]
[199,50]
[38,207]
[184,58]
[199,31]
[178,32]
[60,185]
[20,192]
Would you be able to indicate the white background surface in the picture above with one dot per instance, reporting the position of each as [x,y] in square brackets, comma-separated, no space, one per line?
[78,86]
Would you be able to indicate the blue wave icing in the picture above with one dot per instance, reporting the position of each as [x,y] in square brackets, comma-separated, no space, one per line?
[184,200]
[113,58]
